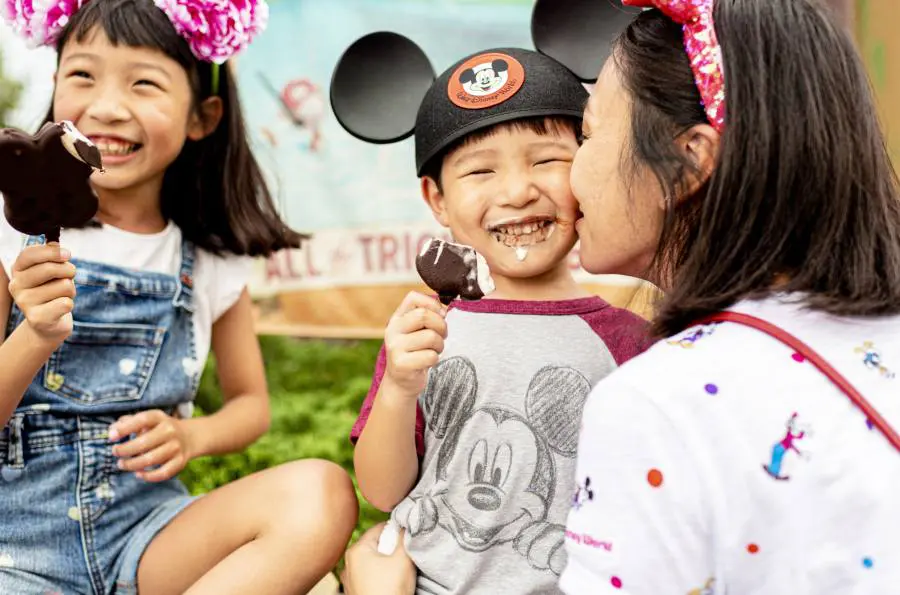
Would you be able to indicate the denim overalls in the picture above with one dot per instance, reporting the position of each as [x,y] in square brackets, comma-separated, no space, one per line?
[70,521]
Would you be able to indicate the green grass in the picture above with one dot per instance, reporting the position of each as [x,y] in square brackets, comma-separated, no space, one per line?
[317,388]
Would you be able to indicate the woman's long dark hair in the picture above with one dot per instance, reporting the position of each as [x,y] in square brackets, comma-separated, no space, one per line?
[214,190]
[804,192]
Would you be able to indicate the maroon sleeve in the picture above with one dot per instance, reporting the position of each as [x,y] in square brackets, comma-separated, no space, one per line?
[380,365]
[625,333]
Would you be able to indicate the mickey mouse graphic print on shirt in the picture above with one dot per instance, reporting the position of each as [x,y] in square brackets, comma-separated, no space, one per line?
[501,415]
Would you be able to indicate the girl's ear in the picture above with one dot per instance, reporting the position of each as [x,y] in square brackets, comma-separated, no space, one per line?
[206,120]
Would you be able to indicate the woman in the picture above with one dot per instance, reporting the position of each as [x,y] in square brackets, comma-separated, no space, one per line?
[722,460]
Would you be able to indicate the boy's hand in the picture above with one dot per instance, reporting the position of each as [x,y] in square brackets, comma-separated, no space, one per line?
[413,342]
[43,288]
[161,442]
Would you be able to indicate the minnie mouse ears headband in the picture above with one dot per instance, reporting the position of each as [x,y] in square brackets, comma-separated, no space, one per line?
[384,88]
[215,29]
[702,47]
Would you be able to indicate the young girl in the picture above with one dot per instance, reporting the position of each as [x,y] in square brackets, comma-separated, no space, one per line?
[736,144]
[108,332]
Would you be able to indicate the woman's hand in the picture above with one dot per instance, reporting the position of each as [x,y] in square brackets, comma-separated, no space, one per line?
[366,572]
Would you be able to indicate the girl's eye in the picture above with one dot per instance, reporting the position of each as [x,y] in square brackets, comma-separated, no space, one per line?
[479,172]
[145,82]
[79,74]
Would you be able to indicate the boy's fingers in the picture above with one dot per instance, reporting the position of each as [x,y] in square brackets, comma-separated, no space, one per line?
[414,300]
[424,339]
[421,318]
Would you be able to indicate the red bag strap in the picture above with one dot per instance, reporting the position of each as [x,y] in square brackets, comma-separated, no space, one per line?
[818,361]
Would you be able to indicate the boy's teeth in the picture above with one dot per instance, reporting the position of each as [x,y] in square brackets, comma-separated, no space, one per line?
[522,235]
[519,229]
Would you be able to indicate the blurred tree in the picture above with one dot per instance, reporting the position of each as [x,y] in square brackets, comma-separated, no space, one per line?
[10,92]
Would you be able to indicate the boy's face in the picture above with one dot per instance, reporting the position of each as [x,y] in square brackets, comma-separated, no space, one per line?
[507,195]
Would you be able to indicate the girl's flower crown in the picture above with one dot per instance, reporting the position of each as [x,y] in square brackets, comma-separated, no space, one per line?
[215,29]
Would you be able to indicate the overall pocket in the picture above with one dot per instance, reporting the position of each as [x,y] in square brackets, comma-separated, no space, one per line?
[104,362]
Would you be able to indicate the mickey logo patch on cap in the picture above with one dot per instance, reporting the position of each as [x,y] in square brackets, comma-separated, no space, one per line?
[485,81]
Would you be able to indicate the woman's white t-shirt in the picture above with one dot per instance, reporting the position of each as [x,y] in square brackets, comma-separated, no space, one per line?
[720,461]
[218,281]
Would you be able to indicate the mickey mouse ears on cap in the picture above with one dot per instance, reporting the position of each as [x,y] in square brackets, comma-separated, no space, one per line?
[378,85]
[384,88]
[578,33]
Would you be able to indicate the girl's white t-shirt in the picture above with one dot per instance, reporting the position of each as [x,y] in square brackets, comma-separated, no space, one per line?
[720,461]
[218,281]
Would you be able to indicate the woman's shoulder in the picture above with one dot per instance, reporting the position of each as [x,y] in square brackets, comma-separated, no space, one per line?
[703,355]
[691,359]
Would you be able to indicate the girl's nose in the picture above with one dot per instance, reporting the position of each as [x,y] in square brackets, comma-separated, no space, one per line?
[107,107]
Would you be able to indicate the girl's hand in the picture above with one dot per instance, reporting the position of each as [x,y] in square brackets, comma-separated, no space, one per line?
[161,441]
[43,288]
[413,342]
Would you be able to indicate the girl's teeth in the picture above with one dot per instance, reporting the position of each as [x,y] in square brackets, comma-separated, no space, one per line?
[115,148]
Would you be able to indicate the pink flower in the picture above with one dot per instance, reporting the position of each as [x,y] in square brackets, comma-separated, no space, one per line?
[50,17]
[39,21]
[216,29]
[18,13]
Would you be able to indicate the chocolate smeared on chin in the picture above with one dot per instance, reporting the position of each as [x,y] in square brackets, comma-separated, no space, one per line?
[44,179]
[454,270]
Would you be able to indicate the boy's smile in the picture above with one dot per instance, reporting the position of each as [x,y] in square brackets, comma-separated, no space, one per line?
[507,195]
[521,233]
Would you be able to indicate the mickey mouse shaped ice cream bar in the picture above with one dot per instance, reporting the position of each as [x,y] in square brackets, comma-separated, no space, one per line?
[44,179]
[454,270]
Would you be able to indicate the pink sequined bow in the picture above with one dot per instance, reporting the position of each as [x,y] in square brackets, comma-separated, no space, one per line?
[696,18]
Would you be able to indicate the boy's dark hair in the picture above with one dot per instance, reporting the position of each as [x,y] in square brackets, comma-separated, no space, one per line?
[804,192]
[540,125]
[214,190]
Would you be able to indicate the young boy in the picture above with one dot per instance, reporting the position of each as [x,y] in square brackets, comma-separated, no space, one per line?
[470,428]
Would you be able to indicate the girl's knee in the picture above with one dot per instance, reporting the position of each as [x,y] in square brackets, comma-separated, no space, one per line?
[320,496]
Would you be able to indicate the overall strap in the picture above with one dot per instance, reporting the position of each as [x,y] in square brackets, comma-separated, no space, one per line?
[184,296]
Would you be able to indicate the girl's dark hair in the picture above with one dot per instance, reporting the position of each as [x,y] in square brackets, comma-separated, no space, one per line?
[214,190]
[803,199]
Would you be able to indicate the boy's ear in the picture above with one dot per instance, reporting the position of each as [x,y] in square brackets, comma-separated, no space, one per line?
[434,198]
[207,119]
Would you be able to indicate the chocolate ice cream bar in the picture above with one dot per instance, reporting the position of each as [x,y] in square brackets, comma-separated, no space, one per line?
[454,270]
[44,179]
